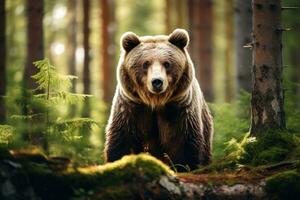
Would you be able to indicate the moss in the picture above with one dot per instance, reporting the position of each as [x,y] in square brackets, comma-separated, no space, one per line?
[271,147]
[272,154]
[111,179]
[285,185]
[295,154]
[125,169]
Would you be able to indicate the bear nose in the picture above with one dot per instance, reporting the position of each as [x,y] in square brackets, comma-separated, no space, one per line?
[157,84]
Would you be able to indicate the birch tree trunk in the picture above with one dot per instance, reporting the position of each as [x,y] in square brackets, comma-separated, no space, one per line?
[267,93]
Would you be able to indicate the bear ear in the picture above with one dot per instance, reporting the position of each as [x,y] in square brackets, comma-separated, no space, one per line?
[129,40]
[179,37]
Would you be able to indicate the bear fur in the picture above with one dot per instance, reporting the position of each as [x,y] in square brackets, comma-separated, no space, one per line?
[173,124]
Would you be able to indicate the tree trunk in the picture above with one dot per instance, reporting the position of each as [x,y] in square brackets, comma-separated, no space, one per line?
[175,13]
[86,62]
[35,51]
[243,25]
[35,45]
[179,8]
[72,45]
[200,20]
[2,61]
[229,91]
[168,16]
[107,49]
[267,93]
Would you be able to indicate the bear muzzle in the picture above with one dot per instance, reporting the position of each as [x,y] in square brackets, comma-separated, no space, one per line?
[157,79]
[157,84]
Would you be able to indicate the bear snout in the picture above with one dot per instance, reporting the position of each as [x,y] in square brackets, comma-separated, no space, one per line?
[157,78]
[157,84]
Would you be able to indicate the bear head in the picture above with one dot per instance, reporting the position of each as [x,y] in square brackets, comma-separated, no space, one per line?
[155,70]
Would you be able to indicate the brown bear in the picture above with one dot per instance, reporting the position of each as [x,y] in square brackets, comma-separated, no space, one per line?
[158,106]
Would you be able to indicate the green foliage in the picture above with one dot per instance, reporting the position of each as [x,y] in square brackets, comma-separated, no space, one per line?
[56,88]
[6,133]
[285,185]
[73,129]
[71,133]
[292,110]
[228,124]
[236,150]
[232,121]
[55,84]
[47,77]
[69,137]
[271,147]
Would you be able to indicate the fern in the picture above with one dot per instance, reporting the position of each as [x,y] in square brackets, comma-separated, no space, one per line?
[237,148]
[6,133]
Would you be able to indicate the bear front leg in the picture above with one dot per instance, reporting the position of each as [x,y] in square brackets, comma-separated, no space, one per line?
[116,145]
[195,154]
[120,135]
[197,150]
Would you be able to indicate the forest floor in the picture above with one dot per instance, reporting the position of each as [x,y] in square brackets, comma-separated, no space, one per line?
[31,175]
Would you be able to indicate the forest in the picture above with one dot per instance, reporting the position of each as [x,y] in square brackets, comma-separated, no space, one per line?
[58,66]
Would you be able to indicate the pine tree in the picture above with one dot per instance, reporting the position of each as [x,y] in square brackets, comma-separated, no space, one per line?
[57,91]
[267,90]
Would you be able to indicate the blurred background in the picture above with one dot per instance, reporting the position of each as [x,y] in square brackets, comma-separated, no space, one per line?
[81,38]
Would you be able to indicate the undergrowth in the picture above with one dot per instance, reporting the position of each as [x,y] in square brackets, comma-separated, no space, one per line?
[42,118]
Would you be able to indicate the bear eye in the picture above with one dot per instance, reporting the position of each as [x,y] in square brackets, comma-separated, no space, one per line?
[167,65]
[146,65]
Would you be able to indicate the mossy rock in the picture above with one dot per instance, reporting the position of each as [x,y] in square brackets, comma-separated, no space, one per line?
[111,180]
[120,171]
[285,185]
